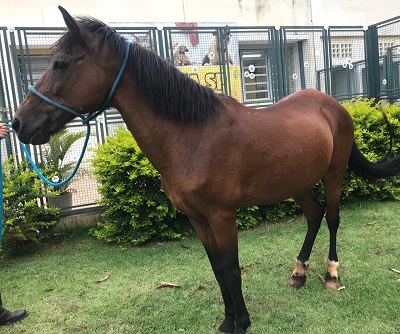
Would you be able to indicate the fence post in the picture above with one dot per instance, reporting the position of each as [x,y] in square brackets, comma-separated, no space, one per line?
[277,65]
[372,63]
[326,38]
[283,59]
[222,59]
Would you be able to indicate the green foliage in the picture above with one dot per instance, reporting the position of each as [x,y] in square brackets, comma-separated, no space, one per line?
[136,209]
[247,218]
[279,211]
[53,156]
[24,220]
[252,216]
[372,137]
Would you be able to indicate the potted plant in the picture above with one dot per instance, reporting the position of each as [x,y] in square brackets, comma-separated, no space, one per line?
[56,169]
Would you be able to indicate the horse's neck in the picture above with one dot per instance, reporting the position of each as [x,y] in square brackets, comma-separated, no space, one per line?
[154,135]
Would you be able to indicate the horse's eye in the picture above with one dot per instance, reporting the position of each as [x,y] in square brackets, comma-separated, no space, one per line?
[59,65]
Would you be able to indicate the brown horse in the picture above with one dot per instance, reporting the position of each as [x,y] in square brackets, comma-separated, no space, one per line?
[214,154]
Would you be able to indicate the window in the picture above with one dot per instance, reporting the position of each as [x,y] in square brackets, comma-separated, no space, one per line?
[256,82]
[383,47]
[342,50]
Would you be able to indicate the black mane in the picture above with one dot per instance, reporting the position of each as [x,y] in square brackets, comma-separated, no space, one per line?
[167,90]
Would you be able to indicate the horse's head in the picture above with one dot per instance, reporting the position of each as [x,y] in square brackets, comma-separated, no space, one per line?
[79,77]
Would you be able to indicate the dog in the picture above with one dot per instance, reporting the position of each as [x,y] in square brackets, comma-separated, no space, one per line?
[180,57]
[212,56]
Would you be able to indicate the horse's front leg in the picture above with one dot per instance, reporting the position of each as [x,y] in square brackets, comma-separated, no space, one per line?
[233,280]
[222,250]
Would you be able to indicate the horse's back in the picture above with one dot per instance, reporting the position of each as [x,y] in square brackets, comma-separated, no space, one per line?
[306,116]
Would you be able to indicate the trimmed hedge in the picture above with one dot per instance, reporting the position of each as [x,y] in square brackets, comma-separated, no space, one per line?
[136,210]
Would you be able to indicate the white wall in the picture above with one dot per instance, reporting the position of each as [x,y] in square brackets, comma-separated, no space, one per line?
[353,12]
[39,13]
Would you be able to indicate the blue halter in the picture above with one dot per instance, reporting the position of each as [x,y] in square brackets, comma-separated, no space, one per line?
[85,120]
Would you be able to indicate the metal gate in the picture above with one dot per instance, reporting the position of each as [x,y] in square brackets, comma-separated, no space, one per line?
[256,65]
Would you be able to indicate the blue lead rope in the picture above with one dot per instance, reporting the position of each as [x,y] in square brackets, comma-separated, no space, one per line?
[85,120]
[39,173]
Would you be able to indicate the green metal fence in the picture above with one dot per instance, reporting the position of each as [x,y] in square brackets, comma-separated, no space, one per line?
[388,54]
[256,65]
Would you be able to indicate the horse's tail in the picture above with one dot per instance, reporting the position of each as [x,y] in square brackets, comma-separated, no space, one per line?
[365,168]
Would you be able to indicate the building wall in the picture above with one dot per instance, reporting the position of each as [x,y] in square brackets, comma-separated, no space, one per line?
[39,13]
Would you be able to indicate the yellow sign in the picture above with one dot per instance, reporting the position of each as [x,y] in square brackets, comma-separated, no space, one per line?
[211,76]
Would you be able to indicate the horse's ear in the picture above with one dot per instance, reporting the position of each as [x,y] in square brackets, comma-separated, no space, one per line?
[74,26]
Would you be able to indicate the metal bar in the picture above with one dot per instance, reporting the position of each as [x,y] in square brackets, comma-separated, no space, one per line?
[283,59]
[226,30]
[387,22]
[23,65]
[276,65]
[372,63]
[222,60]
[168,45]
[7,115]
[301,62]
[326,40]
[158,47]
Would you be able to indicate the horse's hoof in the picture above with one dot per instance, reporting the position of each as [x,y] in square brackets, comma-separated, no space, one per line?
[297,281]
[227,326]
[332,283]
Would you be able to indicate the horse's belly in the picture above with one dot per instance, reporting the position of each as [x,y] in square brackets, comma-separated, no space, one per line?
[286,171]
[255,167]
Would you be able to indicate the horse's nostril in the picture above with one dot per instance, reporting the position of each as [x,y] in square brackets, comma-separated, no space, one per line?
[15,124]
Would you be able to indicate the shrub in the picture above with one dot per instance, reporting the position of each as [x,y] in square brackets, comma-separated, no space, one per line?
[252,216]
[24,220]
[372,137]
[136,210]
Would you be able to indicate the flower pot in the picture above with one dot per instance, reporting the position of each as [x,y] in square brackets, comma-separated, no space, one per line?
[62,201]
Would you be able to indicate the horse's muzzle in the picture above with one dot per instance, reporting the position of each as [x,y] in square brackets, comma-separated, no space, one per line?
[15,125]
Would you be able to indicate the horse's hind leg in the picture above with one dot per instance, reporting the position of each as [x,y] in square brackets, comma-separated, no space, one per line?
[332,186]
[222,250]
[314,212]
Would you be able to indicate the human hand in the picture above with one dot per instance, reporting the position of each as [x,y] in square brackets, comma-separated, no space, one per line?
[4,129]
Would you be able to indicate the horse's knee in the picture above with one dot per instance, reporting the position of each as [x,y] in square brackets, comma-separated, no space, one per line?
[333,219]
[318,214]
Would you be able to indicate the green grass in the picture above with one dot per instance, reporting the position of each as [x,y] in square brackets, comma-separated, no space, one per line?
[58,284]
